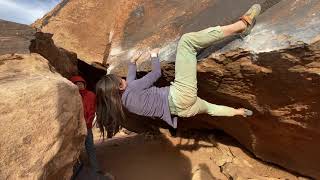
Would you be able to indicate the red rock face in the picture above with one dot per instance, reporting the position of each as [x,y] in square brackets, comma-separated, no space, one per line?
[281,87]
[150,24]
[81,26]
[42,124]
[64,62]
[84,27]
[275,71]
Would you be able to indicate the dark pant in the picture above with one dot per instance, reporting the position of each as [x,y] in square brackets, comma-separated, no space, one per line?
[91,151]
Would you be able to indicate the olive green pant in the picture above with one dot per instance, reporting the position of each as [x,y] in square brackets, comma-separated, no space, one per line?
[183,99]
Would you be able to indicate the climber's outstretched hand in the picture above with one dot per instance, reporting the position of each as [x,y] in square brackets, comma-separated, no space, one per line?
[136,57]
[154,52]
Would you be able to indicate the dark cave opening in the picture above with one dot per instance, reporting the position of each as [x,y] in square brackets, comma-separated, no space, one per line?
[90,73]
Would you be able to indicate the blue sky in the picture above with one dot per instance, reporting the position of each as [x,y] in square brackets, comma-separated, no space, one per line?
[25,11]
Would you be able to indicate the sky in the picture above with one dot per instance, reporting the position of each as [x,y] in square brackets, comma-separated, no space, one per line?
[25,11]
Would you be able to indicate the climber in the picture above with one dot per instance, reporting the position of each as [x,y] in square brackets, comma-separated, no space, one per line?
[139,96]
[89,107]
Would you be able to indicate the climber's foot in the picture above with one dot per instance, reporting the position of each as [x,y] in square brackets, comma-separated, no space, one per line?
[249,18]
[244,112]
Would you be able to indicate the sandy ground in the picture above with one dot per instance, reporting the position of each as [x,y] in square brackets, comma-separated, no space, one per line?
[162,157]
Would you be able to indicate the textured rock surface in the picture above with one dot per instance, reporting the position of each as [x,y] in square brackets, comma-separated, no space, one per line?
[14,37]
[197,154]
[63,61]
[282,88]
[81,26]
[84,26]
[41,123]
[277,74]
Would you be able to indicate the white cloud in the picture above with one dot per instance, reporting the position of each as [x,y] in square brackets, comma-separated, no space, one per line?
[25,11]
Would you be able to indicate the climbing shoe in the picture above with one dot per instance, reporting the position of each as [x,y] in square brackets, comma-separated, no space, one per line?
[249,18]
[247,112]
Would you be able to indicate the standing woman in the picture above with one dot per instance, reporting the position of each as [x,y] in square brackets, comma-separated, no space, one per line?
[139,96]
[89,108]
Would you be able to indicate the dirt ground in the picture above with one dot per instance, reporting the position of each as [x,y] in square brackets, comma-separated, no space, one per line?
[190,155]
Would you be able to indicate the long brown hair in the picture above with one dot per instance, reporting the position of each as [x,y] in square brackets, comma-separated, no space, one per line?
[110,112]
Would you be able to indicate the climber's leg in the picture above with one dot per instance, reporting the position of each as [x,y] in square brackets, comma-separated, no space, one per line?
[91,151]
[203,107]
[183,92]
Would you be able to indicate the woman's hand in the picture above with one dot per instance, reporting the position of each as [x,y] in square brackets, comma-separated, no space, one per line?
[155,52]
[136,57]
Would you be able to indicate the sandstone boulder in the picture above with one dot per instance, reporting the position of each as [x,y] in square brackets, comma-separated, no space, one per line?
[63,61]
[275,72]
[202,174]
[83,27]
[41,123]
